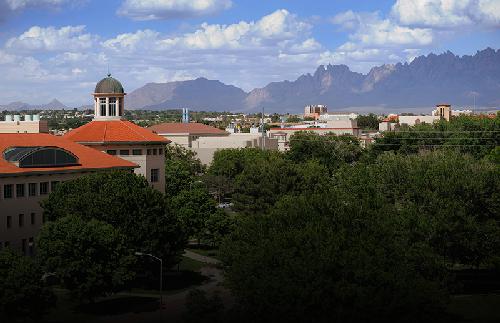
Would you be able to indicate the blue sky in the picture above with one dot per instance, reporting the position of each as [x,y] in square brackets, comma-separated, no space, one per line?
[61,48]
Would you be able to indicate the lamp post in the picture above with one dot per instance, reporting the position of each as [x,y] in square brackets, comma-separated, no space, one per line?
[161,274]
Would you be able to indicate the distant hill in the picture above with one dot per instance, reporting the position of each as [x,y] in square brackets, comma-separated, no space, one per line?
[425,81]
[18,106]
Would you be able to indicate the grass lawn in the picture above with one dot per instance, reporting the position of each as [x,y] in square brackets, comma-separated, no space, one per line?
[136,300]
[476,308]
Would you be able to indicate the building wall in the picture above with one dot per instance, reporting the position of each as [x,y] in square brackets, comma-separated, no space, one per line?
[205,147]
[40,126]
[25,205]
[413,120]
[151,157]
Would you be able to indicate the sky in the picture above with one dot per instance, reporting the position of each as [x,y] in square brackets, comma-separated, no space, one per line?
[61,48]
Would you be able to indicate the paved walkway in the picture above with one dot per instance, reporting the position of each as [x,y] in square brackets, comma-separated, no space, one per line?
[174,304]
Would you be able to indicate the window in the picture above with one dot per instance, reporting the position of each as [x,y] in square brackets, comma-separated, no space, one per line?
[40,156]
[9,221]
[32,188]
[19,190]
[111,152]
[124,152]
[112,107]
[53,185]
[44,188]
[32,216]
[149,151]
[21,220]
[31,245]
[102,106]
[24,246]
[136,152]
[160,151]
[7,191]
[154,151]
[155,175]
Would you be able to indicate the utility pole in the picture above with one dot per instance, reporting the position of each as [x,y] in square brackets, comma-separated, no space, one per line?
[263,133]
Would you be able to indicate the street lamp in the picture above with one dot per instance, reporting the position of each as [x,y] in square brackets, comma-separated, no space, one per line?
[161,273]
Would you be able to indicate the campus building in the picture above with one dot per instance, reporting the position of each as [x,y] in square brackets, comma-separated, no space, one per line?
[206,140]
[31,166]
[110,133]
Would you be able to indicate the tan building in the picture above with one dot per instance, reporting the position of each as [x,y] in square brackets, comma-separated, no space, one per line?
[342,127]
[31,166]
[443,111]
[185,133]
[108,132]
[206,140]
[30,124]
[314,111]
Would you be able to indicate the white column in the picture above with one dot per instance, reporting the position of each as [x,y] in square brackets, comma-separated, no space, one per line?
[96,107]
[117,107]
[107,106]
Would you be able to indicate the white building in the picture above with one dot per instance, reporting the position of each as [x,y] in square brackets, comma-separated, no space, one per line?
[30,124]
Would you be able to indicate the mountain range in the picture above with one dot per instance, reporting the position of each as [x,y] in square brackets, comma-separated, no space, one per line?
[424,82]
[18,106]
[420,84]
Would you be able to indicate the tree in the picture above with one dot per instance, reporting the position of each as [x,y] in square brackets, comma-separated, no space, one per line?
[23,293]
[89,257]
[193,207]
[201,308]
[472,135]
[330,150]
[181,167]
[319,258]
[368,122]
[218,225]
[128,203]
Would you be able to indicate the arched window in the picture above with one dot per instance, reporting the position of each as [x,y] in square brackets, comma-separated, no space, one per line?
[26,157]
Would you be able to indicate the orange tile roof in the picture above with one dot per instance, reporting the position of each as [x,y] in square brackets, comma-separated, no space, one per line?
[189,128]
[115,131]
[88,158]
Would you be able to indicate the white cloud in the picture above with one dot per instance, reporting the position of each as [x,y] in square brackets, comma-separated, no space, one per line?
[276,30]
[171,9]
[51,39]
[370,30]
[447,13]
[22,4]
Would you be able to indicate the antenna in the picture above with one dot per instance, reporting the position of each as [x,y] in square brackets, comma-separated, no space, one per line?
[109,74]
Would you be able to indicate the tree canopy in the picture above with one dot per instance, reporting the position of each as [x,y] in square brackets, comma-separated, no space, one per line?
[89,257]
[128,203]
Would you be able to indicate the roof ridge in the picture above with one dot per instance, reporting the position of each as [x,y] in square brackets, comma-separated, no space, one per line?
[126,124]
[104,132]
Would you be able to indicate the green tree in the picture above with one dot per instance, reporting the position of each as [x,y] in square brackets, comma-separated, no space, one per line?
[128,203]
[193,208]
[23,293]
[89,257]
[368,122]
[218,225]
[330,150]
[181,168]
[472,135]
[320,258]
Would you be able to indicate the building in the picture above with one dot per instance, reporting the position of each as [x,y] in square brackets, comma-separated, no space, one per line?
[185,133]
[342,127]
[31,166]
[414,120]
[443,111]
[338,116]
[314,111]
[206,140]
[108,132]
[30,124]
